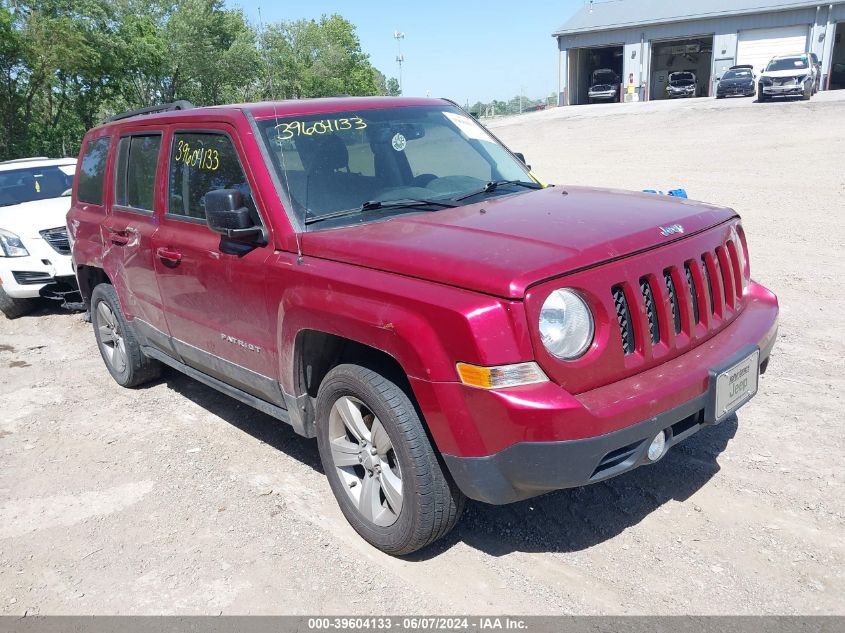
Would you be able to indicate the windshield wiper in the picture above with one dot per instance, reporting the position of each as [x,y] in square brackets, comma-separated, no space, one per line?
[374,205]
[494,184]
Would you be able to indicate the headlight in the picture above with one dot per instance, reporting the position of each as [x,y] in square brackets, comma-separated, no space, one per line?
[566,324]
[11,245]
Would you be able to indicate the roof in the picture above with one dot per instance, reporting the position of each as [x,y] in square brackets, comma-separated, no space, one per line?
[23,163]
[616,14]
[270,109]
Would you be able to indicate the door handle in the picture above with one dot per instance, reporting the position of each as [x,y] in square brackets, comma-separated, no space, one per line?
[119,238]
[167,255]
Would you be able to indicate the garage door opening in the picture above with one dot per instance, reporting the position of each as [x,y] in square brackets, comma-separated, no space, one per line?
[599,68]
[837,59]
[686,64]
[758,46]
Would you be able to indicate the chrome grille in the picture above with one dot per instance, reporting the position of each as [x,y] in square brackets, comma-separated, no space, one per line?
[691,284]
[57,238]
[623,316]
[673,300]
[650,310]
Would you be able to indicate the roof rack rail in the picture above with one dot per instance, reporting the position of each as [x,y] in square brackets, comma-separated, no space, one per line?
[23,160]
[164,107]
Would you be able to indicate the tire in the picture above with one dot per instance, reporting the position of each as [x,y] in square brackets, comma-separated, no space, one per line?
[372,444]
[808,92]
[13,307]
[762,98]
[117,342]
[720,96]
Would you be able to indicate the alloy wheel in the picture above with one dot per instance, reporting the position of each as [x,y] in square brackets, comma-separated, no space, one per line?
[111,337]
[365,460]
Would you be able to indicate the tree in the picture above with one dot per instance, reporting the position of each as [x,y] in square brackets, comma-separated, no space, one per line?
[317,58]
[65,66]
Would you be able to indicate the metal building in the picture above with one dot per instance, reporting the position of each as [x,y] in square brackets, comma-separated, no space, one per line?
[643,41]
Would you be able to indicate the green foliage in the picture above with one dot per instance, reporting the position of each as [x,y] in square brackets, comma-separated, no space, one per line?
[64,66]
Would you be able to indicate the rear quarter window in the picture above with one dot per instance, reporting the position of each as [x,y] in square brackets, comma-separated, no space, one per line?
[92,171]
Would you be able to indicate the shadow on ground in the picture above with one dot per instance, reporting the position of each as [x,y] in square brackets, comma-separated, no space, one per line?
[261,426]
[564,521]
[577,519]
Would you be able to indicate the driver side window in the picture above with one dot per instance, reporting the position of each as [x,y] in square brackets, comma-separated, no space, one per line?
[201,162]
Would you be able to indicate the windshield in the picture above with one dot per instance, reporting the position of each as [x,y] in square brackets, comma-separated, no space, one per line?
[737,74]
[681,77]
[35,183]
[787,63]
[332,162]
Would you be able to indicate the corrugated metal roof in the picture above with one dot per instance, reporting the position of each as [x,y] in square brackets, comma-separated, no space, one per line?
[614,14]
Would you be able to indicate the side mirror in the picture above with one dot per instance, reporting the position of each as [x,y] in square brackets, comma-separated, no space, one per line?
[521,158]
[226,214]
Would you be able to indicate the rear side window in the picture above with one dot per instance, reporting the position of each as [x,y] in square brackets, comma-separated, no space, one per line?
[136,165]
[201,162]
[93,170]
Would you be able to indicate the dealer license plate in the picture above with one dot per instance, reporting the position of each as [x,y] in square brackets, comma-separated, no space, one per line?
[737,385]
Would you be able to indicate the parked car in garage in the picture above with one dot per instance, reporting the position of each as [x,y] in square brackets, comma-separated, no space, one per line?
[787,76]
[604,86]
[382,274]
[681,84]
[737,81]
[34,249]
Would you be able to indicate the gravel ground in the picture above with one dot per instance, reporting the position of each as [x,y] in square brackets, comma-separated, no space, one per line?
[175,499]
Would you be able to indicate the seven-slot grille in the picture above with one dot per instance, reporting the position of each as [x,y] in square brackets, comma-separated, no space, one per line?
[721,288]
[57,238]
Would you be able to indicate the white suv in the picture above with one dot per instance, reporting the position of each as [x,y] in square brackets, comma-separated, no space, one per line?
[787,76]
[34,249]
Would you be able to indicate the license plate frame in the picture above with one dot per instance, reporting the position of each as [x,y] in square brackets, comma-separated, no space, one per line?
[724,397]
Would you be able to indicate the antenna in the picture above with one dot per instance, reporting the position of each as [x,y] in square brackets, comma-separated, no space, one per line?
[276,118]
[400,58]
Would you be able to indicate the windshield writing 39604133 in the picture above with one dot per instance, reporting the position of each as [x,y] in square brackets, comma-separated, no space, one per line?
[291,129]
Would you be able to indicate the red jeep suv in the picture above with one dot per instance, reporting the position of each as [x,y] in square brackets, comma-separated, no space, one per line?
[383,274]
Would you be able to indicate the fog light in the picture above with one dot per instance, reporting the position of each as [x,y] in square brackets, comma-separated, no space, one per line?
[657,446]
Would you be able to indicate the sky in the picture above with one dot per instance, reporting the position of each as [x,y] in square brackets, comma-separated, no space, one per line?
[464,50]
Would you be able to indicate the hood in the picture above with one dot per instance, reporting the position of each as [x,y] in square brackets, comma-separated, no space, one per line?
[518,240]
[737,80]
[789,72]
[28,218]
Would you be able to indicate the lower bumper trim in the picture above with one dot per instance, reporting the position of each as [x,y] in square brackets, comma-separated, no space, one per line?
[528,469]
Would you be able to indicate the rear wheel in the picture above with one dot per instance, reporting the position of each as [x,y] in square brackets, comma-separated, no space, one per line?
[119,348]
[380,464]
[13,307]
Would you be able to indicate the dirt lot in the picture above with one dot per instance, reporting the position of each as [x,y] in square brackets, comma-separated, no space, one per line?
[175,499]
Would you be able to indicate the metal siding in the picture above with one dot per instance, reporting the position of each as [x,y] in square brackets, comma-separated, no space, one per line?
[758,46]
[691,28]
[638,14]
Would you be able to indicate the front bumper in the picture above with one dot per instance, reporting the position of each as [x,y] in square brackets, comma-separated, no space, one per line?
[512,444]
[605,94]
[38,274]
[743,91]
[783,91]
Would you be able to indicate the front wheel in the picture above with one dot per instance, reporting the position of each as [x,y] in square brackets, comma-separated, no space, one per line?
[13,307]
[761,96]
[380,464]
[808,92]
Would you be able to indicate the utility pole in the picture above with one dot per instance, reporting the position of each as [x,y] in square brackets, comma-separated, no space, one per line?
[400,58]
